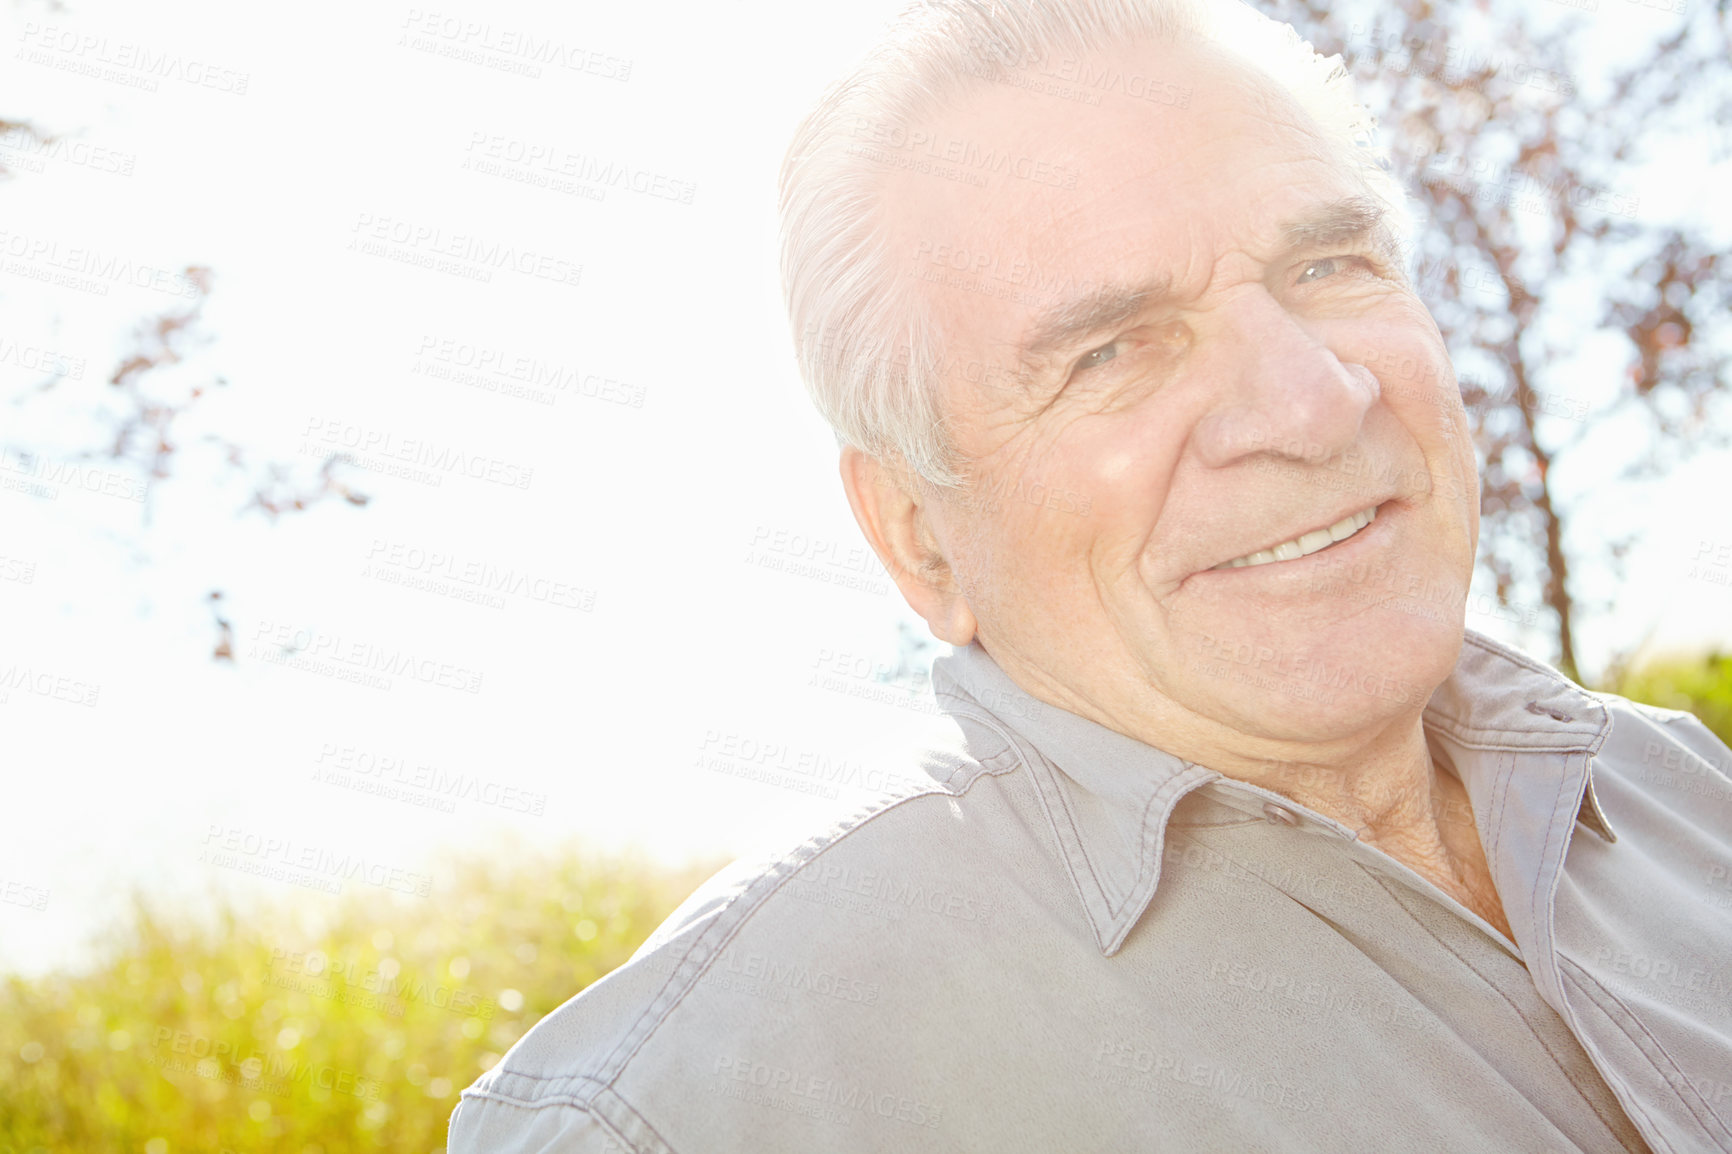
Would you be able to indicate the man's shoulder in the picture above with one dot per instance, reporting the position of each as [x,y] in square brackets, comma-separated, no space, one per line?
[1659,746]
[777,942]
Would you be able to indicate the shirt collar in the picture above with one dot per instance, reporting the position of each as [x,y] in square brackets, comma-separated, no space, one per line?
[1108,798]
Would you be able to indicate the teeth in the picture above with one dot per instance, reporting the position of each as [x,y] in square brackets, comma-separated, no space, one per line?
[1309,543]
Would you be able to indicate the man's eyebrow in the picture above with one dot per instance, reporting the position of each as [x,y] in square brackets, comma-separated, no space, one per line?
[1348,221]
[1351,220]
[1074,318]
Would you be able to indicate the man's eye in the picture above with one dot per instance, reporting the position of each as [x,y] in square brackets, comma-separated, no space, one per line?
[1142,348]
[1318,269]
[1098,358]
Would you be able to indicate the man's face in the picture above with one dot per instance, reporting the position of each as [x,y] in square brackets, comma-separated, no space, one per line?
[1240,367]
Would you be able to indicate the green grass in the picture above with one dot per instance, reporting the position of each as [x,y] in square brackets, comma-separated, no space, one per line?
[1702,685]
[270,1031]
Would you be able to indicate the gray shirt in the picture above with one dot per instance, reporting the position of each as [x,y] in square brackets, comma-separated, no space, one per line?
[1075,942]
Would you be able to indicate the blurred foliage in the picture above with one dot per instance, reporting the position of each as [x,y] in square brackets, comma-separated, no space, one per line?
[1702,685]
[289,1029]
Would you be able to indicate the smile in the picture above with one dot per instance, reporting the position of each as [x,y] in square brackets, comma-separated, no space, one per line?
[1307,543]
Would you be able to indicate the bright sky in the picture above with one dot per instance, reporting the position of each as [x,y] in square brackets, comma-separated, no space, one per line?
[691,634]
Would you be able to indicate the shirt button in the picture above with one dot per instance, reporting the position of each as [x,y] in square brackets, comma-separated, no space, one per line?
[1279,815]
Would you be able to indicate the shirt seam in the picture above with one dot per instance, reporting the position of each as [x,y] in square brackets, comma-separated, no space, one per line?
[1556,680]
[1110,931]
[1616,1078]
[1069,838]
[585,1103]
[1453,724]
[1560,828]
[1588,985]
[715,939]
[1224,823]
[1479,738]
[1401,901]
[651,1020]
[615,1103]
[1500,800]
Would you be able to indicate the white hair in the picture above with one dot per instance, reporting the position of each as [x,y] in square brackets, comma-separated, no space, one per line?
[864,339]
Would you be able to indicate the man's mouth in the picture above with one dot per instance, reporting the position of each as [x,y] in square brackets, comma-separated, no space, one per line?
[1306,543]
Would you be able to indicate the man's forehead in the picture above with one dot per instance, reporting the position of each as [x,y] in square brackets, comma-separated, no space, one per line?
[1047,216]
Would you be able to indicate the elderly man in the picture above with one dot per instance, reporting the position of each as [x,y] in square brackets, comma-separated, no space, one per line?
[1238,842]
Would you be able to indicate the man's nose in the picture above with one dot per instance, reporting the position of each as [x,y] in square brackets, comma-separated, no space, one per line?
[1282,391]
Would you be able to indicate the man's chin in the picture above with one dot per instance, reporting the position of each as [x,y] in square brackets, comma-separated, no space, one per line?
[1319,688]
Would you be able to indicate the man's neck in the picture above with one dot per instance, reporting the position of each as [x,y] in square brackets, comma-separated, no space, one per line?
[1411,808]
[1382,782]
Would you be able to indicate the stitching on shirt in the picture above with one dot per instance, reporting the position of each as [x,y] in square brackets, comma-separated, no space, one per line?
[710,944]
[966,709]
[1071,845]
[1491,648]
[1223,823]
[1385,883]
[1500,791]
[1148,865]
[586,1104]
[597,1101]
[1562,825]
[723,930]
[1635,1105]
[1595,991]
[1401,900]
[1476,739]
[614,1104]
[1069,837]
[1069,840]
[1181,783]
[1144,867]
[984,764]
[1115,909]
[578,1099]
[1456,727]
[1521,740]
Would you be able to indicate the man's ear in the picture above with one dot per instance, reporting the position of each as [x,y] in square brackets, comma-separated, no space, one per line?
[898,524]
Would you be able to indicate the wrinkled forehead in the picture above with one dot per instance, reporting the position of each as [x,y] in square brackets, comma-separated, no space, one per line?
[1036,183]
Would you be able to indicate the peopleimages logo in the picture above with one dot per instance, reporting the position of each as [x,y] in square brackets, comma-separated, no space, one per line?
[21,148]
[43,683]
[230,846]
[779,1080]
[311,649]
[331,437]
[438,568]
[105,482]
[463,253]
[1131,1065]
[16,893]
[36,358]
[548,165]
[135,65]
[88,269]
[508,49]
[503,370]
[340,980]
[220,1060]
[370,771]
